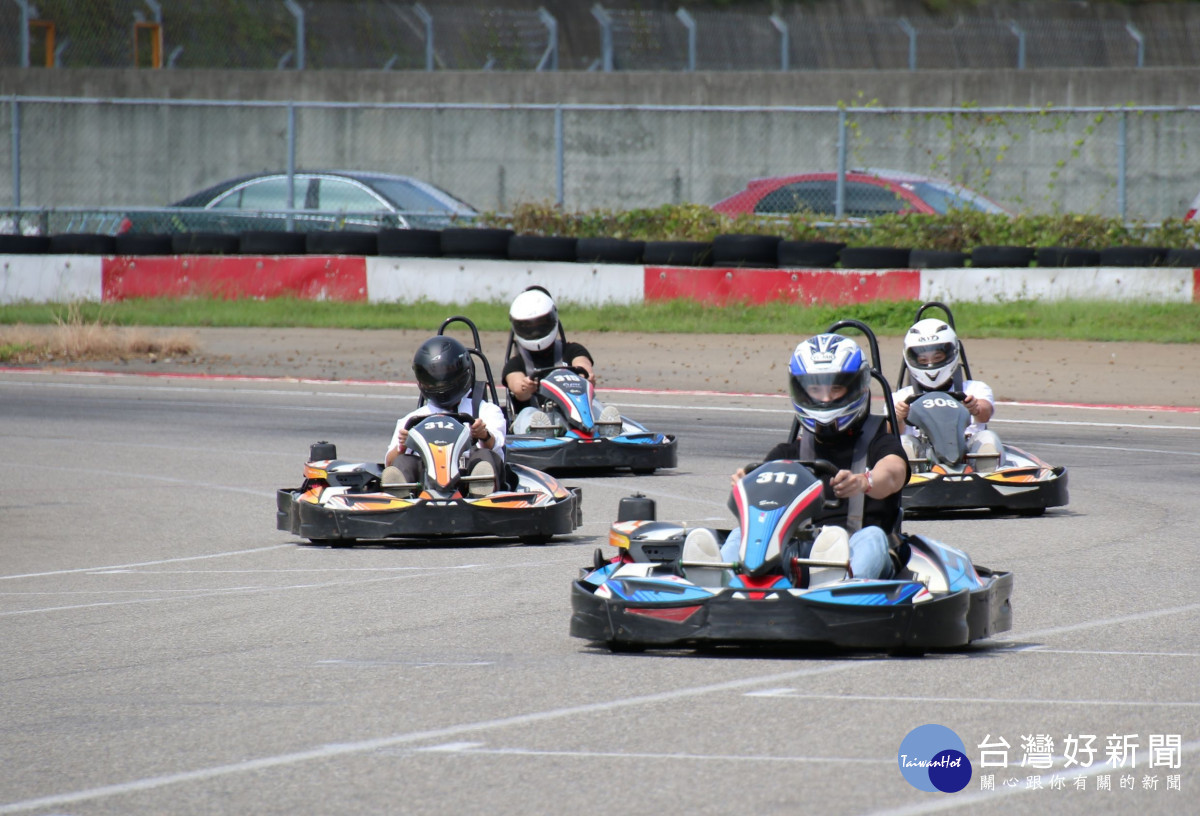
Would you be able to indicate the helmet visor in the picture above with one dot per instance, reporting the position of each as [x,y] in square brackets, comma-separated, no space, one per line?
[828,391]
[445,384]
[535,328]
[931,355]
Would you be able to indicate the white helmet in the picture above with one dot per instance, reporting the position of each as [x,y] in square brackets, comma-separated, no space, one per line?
[534,319]
[830,384]
[931,354]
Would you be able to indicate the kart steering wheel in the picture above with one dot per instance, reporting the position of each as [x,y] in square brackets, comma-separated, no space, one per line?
[465,419]
[825,471]
[539,373]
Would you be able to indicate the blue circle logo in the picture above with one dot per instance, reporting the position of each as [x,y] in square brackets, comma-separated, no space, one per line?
[933,758]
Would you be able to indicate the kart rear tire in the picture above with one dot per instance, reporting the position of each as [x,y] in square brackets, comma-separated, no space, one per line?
[625,648]
[643,471]
[1032,512]
[332,542]
[534,540]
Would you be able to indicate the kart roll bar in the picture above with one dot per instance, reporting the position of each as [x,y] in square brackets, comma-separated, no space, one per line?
[962,352]
[489,384]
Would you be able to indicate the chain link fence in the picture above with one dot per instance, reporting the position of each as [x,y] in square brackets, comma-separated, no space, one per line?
[385,35]
[82,159]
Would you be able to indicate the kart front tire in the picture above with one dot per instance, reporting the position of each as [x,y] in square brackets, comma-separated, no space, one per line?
[332,542]
[645,471]
[618,647]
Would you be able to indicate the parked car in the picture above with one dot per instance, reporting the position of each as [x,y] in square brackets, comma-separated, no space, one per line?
[868,193]
[320,200]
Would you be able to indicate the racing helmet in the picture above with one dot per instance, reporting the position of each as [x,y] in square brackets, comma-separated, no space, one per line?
[931,354]
[444,370]
[830,382]
[534,319]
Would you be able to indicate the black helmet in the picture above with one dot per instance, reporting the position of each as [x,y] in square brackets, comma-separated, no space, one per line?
[444,370]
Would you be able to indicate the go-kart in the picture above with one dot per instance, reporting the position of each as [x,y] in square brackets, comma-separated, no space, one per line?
[341,502]
[668,587]
[577,439]
[790,584]
[947,476]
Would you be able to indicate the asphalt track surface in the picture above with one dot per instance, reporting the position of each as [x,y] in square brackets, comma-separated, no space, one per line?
[165,650]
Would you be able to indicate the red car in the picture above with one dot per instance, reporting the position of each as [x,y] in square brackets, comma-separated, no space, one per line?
[1194,210]
[868,193]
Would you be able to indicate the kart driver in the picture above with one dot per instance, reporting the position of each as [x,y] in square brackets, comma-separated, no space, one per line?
[541,343]
[830,384]
[932,355]
[446,378]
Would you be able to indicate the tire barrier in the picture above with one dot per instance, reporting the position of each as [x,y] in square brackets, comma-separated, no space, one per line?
[410,243]
[82,243]
[205,243]
[1067,256]
[272,243]
[325,242]
[609,250]
[937,259]
[1133,256]
[144,243]
[1007,256]
[874,258]
[678,253]
[809,254]
[469,242]
[24,244]
[746,250]
[541,248]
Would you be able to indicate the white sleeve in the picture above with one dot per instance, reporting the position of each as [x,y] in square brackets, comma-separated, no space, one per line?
[979,390]
[493,418]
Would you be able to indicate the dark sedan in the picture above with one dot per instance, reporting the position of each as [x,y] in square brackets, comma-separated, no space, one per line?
[304,202]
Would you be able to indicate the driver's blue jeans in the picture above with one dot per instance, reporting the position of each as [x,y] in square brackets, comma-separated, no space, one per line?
[869,556]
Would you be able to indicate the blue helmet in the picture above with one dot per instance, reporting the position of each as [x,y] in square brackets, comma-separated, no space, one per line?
[830,383]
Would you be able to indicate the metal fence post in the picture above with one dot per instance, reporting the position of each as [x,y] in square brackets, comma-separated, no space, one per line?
[24,36]
[291,166]
[551,55]
[908,29]
[298,13]
[606,36]
[839,203]
[785,41]
[1122,163]
[1020,32]
[690,24]
[427,19]
[559,161]
[1141,44]
[16,153]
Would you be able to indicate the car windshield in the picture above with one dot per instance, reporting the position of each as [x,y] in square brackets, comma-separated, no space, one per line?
[944,198]
[411,196]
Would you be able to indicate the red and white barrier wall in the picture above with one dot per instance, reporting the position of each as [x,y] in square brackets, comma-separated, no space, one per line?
[62,278]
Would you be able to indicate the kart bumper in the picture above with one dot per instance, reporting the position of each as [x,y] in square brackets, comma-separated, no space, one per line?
[427,519]
[992,492]
[641,452]
[950,621]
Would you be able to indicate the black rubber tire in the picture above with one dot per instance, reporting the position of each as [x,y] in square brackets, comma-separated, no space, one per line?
[272,242]
[678,253]
[991,257]
[410,243]
[144,243]
[1067,256]
[24,244]
[875,257]
[472,242]
[541,248]
[609,250]
[205,243]
[808,254]
[759,251]
[1183,257]
[1133,256]
[341,242]
[82,243]
[937,259]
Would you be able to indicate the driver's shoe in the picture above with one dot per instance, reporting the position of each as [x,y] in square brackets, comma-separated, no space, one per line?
[542,424]
[483,487]
[987,449]
[701,545]
[391,477]
[831,544]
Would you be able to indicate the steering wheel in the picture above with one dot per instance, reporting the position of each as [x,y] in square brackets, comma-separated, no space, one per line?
[465,419]
[825,471]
